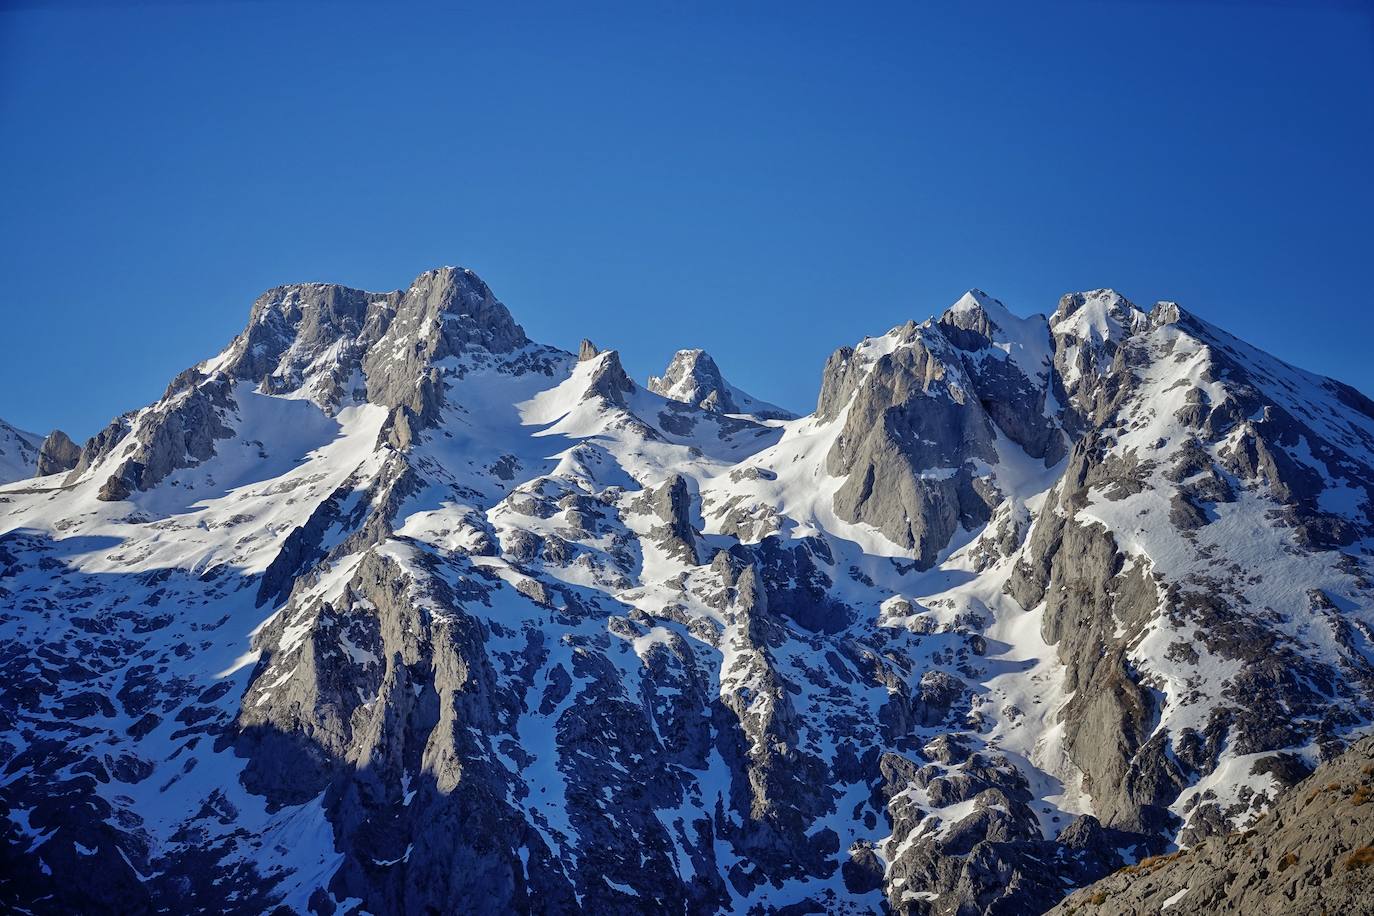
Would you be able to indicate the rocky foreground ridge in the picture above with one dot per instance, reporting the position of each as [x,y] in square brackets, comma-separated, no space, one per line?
[1313,852]
[388,608]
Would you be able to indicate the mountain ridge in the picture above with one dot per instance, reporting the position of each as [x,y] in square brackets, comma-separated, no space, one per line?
[463,614]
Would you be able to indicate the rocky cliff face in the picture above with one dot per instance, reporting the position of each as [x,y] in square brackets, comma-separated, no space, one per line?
[388,608]
[57,454]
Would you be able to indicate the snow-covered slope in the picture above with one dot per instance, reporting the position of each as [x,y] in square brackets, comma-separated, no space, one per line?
[387,606]
[18,453]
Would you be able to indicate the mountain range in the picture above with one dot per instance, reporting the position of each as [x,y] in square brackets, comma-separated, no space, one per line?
[387,608]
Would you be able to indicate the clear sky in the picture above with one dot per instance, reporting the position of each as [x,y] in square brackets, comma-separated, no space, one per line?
[765,181]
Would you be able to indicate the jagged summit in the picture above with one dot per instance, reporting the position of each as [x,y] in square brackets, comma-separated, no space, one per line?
[388,606]
[315,335]
[331,345]
[606,377]
[1100,315]
[693,377]
[976,302]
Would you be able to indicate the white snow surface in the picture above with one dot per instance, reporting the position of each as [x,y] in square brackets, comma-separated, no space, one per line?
[18,453]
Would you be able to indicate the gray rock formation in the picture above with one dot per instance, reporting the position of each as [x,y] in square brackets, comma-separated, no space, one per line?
[694,378]
[1312,852]
[671,502]
[922,408]
[57,454]
[906,453]
[608,379]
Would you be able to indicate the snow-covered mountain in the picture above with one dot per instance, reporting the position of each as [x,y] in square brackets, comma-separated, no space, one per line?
[387,608]
[18,453]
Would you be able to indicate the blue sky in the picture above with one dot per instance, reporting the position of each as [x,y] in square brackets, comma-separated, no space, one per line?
[766,181]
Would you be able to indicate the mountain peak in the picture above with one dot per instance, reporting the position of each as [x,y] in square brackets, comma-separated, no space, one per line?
[978,322]
[1166,312]
[313,336]
[1097,312]
[468,312]
[693,377]
[976,300]
[607,377]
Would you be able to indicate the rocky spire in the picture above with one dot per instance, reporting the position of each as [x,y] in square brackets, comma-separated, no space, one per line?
[57,454]
[693,377]
[608,378]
